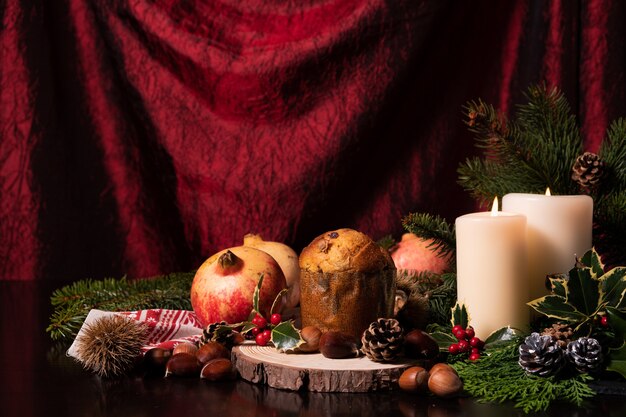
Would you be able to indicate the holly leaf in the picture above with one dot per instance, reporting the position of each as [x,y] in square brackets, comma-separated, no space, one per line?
[256,295]
[460,315]
[277,300]
[555,306]
[503,337]
[582,290]
[444,340]
[618,360]
[592,260]
[558,284]
[613,288]
[248,325]
[286,337]
[617,321]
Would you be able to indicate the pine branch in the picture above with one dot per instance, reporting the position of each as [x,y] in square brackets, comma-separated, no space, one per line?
[427,226]
[73,302]
[613,153]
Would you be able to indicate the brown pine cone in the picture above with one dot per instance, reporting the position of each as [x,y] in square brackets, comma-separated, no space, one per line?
[560,332]
[588,170]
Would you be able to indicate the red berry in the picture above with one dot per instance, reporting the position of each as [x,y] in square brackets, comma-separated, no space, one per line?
[470,332]
[463,346]
[604,321]
[453,348]
[259,321]
[261,340]
[275,319]
[475,350]
[460,334]
[267,334]
[476,343]
[474,356]
[457,328]
[255,331]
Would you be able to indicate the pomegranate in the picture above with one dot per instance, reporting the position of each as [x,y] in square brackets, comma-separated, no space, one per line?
[223,286]
[412,254]
[286,258]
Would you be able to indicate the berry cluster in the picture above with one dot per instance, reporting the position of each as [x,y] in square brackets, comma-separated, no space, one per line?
[467,342]
[262,334]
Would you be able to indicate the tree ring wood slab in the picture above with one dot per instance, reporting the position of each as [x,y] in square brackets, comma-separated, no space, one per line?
[314,372]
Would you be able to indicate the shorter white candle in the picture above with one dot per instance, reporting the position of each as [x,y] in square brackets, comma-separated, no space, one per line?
[559,229]
[491,269]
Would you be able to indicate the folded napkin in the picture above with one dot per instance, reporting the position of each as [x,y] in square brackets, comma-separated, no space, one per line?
[166,328]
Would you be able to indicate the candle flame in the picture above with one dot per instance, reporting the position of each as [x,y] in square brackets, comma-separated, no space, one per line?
[494,208]
[548,191]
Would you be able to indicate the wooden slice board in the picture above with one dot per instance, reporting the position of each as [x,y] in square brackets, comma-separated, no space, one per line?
[314,372]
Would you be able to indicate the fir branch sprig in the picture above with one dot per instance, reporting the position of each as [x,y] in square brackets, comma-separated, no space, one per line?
[498,378]
[72,302]
[428,226]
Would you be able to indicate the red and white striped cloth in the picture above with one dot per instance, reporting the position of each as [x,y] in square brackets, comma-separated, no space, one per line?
[166,328]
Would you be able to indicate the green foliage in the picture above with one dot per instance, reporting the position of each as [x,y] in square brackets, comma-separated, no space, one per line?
[286,337]
[498,377]
[72,302]
[386,242]
[460,316]
[578,298]
[441,298]
[428,226]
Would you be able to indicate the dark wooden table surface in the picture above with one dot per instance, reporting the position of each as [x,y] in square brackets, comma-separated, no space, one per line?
[37,379]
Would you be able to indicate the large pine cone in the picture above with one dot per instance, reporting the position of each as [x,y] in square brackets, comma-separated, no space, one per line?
[586,354]
[541,355]
[382,340]
[588,170]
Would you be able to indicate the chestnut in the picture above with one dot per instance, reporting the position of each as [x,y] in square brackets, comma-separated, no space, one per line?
[212,350]
[338,345]
[185,347]
[421,345]
[182,364]
[219,369]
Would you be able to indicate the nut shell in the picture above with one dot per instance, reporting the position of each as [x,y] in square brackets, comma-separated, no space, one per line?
[219,369]
[445,384]
[442,367]
[182,364]
[414,379]
[212,350]
[156,358]
[337,345]
[185,347]
[311,336]
[419,344]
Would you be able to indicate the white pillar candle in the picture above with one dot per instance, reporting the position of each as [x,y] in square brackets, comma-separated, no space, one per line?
[491,270]
[559,228]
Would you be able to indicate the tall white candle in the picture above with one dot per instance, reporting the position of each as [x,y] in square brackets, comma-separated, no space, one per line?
[491,270]
[559,228]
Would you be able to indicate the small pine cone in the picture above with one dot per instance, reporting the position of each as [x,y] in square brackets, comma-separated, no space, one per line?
[588,170]
[541,355]
[586,354]
[382,340]
[218,332]
[560,332]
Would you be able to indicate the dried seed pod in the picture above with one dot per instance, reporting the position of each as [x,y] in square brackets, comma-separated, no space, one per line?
[445,384]
[185,347]
[219,369]
[414,379]
[210,351]
[182,364]
[337,345]
[419,344]
[311,336]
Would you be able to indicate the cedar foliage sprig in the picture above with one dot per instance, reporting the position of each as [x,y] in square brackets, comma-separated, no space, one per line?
[72,302]
[428,226]
[498,378]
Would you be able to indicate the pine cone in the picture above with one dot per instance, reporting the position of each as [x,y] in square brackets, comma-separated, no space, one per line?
[218,332]
[586,354]
[382,340]
[541,355]
[560,332]
[588,170]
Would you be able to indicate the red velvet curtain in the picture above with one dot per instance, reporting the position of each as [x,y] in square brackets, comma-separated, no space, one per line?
[140,136]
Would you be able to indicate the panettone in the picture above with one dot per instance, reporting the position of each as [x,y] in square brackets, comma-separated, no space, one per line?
[347,281]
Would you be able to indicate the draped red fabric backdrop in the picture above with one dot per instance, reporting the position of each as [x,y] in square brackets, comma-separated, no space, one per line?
[140,136]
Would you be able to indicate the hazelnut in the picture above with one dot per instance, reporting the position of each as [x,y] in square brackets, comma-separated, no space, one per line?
[311,336]
[414,379]
[419,344]
[212,350]
[219,369]
[182,364]
[442,367]
[337,345]
[445,384]
[185,347]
